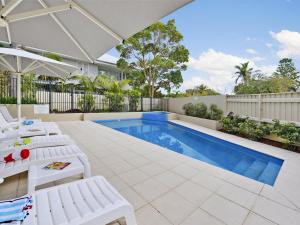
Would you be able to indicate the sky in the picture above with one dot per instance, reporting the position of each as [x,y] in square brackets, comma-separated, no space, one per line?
[220,34]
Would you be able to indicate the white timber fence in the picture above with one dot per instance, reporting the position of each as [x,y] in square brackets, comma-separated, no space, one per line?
[266,107]
[261,107]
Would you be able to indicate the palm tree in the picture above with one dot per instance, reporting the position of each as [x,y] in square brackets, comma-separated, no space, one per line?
[112,85]
[244,72]
[89,84]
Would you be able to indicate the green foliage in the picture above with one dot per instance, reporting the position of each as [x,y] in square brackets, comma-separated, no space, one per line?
[189,109]
[243,72]
[253,130]
[288,131]
[53,56]
[154,57]
[86,102]
[245,127]
[287,69]
[88,84]
[13,100]
[231,123]
[115,100]
[200,110]
[201,90]
[264,85]
[134,96]
[29,86]
[214,112]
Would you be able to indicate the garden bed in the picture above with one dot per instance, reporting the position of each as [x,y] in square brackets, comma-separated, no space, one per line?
[211,124]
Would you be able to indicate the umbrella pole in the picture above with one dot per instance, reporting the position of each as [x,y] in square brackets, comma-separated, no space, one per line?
[19,101]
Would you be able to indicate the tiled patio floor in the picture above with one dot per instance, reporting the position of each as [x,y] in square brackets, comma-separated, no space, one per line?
[168,188]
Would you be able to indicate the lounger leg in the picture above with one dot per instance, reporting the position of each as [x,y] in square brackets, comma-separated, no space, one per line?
[130,218]
[87,167]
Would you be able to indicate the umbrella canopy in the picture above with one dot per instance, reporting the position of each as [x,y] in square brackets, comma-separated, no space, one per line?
[18,61]
[82,29]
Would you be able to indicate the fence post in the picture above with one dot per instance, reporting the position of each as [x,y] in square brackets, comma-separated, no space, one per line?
[72,99]
[142,104]
[84,105]
[50,96]
[150,104]
[259,108]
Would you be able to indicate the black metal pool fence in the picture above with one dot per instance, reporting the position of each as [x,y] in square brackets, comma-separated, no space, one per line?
[68,98]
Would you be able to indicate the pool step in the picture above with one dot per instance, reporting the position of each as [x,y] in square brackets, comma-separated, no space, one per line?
[267,176]
[243,165]
[255,169]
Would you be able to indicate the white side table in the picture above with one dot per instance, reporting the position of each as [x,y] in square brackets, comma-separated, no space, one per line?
[37,175]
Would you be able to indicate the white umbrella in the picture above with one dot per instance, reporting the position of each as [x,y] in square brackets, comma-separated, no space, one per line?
[82,29]
[18,61]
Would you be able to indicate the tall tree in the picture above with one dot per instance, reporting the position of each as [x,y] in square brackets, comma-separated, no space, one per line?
[243,73]
[286,68]
[201,90]
[154,57]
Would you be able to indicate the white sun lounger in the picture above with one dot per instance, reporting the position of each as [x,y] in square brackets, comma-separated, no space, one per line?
[91,201]
[7,116]
[39,155]
[8,146]
[27,131]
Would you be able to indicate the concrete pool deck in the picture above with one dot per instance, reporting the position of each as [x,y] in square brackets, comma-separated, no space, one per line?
[169,188]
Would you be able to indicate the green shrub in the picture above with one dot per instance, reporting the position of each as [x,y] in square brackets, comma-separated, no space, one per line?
[200,110]
[13,100]
[231,123]
[214,112]
[115,101]
[288,131]
[134,96]
[189,109]
[252,130]
[86,102]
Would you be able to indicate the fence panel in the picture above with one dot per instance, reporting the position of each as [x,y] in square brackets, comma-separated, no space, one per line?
[266,107]
[62,98]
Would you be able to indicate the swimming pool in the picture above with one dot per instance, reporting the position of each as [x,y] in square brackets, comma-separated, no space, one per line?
[215,151]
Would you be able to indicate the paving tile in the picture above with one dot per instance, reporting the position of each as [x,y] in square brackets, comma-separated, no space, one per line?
[118,183]
[133,177]
[150,189]
[103,171]
[203,218]
[185,171]
[147,215]
[276,212]
[138,161]
[246,183]
[254,219]
[170,179]
[272,194]
[208,181]
[131,196]
[238,195]
[168,163]
[152,169]
[120,167]
[225,210]
[193,192]
[174,207]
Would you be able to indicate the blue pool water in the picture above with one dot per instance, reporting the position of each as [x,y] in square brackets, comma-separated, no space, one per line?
[215,151]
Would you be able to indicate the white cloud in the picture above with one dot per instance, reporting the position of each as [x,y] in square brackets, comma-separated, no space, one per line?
[258,59]
[251,51]
[269,45]
[216,69]
[289,43]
